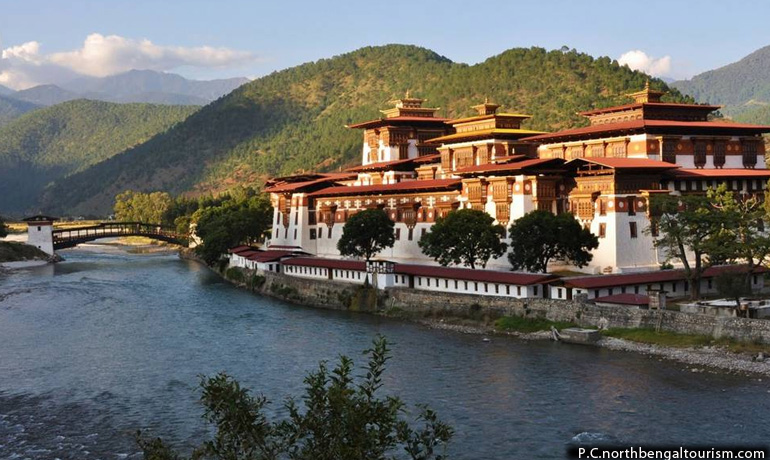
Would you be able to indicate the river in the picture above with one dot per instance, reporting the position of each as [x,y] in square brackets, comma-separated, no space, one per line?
[108,342]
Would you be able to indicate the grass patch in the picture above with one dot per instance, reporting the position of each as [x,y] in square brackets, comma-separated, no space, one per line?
[668,339]
[521,324]
[672,339]
[11,251]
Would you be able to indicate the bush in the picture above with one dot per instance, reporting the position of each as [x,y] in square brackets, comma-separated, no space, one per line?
[521,324]
[336,418]
[235,274]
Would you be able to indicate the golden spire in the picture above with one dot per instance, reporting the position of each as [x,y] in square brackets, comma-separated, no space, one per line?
[646,95]
[487,108]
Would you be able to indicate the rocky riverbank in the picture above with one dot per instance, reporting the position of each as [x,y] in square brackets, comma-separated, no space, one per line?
[14,255]
[698,359]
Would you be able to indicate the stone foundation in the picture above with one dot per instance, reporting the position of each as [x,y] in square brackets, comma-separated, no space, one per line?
[416,303]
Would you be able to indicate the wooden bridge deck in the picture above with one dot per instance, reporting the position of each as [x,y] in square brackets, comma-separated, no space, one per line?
[70,237]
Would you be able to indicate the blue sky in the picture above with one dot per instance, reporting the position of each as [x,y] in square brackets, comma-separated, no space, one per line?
[47,39]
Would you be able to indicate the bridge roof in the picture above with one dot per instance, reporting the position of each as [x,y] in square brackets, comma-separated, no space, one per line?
[40,218]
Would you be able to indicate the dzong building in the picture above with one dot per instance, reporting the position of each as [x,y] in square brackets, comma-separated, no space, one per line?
[418,166]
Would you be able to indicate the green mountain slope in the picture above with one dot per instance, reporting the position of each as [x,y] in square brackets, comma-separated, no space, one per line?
[294,119]
[739,86]
[11,109]
[53,142]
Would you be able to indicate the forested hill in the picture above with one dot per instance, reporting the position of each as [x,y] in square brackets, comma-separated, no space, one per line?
[50,143]
[11,109]
[294,119]
[743,87]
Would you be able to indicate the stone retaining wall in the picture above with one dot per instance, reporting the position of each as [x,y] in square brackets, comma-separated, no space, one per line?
[582,313]
[417,303]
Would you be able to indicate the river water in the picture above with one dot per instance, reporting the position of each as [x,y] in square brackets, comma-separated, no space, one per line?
[108,342]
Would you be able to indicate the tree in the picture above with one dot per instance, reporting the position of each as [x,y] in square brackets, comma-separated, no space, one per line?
[366,233]
[337,419]
[734,285]
[687,225]
[540,237]
[131,206]
[741,235]
[3,228]
[230,224]
[465,236]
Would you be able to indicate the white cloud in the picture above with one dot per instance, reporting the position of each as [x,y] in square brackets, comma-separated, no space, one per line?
[639,60]
[25,65]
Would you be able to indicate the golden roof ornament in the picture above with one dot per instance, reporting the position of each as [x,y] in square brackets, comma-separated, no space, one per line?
[646,95]
[487,108]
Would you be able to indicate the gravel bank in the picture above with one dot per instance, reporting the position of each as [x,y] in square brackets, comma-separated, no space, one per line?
[699,359]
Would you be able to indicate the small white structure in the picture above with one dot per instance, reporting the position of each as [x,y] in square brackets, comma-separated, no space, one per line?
[259,260]
[40,232]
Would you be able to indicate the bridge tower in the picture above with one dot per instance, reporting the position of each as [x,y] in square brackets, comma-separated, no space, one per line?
[40,232]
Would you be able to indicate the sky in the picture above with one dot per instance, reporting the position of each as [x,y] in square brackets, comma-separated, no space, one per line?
[52,41]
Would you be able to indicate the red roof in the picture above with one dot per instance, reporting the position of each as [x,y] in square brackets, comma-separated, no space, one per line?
[239,249]
[697,173]
[624,299]
[380,165]
[637,125]
[269,255]
[661,276]
[404,186]
[427,158]
[626,163]
[308,185]
[327,263]
[510,167]
[637,105]
[398,120]
[490,276]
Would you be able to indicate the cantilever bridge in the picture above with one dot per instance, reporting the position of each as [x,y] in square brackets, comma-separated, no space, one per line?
[70,237]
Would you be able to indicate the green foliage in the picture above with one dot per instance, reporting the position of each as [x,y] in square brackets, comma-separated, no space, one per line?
[337,418]
[465,236]
[687,228]
[235,274]
[540,237]
[741,221]
[719,228]
[131,206]
[54,142]
[667,339]
[366,233]
[3,228]
[522,324]
[734,285]
[734,84]
[293,120]
[241,218]
[11,109]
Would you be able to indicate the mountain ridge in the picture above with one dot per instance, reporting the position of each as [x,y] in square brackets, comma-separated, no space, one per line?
[738,85]
[292,120]
[53,142]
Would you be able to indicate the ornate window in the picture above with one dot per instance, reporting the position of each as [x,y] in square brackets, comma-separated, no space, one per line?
[669,151]
[719,154]
[749,155]
[700,154]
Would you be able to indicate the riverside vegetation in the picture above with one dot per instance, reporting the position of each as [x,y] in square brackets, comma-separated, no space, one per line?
[339,417]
